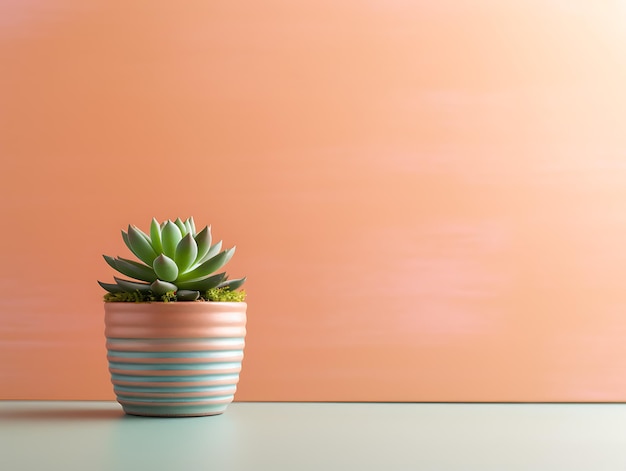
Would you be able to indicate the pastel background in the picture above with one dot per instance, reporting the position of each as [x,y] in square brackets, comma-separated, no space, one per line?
[428,197]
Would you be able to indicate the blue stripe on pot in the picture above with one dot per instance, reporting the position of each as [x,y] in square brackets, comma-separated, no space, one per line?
[174,366]
[165,390]
[200,354]
[159,400]
[176,379]
[227,390]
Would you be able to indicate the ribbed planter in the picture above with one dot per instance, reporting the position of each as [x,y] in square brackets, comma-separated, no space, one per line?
[177,359]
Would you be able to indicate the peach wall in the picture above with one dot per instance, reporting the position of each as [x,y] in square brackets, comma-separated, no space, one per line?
[427,197]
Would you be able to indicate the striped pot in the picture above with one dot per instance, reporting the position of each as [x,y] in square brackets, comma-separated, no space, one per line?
[177,359]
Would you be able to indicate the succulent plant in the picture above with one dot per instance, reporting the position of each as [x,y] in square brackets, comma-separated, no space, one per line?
[176,263]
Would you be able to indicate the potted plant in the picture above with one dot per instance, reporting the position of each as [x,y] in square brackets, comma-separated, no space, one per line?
[175,329]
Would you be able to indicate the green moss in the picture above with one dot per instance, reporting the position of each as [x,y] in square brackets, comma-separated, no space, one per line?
[126,297]
[168,297]
[225,295]
[214,294]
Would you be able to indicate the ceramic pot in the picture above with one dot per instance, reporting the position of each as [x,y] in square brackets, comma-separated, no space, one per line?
[177,359]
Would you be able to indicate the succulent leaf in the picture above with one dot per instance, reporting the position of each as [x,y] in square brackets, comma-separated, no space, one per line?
[209,266]
[127,242]
[186,252]
[136,270]
[203,284]
[203,240]
[191,225]
[181,225]
[170,237]
[142,233]
[165,268]
[187,295]
[111,288]
[188,228]
[213,251]
[131,286]
[110,261]
[131,268]
[126,239]
[155,236]
[140,245]
[160,287]
[232,284]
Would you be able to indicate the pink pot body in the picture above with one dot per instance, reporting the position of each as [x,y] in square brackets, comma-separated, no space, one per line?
[176,359]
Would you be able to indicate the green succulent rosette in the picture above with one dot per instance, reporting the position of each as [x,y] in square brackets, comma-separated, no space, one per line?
[175,263]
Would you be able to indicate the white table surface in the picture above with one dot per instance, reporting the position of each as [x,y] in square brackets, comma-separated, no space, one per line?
[93,436]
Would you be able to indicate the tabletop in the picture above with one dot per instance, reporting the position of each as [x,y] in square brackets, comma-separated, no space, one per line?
[316,436]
